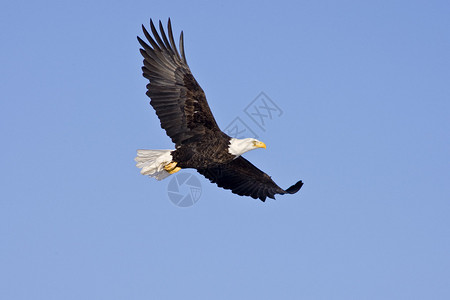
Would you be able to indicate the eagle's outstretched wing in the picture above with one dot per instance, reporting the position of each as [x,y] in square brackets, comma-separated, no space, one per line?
[177,98]
[243,178]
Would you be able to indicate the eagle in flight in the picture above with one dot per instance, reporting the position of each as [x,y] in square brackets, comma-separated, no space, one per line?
[184,113]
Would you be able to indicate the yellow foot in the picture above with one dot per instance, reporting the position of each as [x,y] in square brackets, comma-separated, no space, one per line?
[172,168]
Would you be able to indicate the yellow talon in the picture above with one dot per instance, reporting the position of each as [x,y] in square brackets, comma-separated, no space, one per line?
[172,168]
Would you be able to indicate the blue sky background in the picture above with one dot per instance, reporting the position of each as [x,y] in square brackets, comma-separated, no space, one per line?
[364,87]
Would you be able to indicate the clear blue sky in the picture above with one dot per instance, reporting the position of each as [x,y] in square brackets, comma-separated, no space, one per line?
[364,87]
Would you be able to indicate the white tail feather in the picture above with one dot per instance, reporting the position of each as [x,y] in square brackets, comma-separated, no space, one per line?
[152,162]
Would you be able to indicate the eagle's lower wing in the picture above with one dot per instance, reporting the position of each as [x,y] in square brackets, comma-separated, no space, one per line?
[243,178]
[177,98]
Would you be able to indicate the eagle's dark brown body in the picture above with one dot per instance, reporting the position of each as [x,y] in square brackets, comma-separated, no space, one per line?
[208,152]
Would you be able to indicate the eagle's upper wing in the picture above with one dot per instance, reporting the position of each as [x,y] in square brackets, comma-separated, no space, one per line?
[243,178]
[177,98]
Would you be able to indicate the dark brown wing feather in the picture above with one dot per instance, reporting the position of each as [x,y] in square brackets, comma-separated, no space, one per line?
[243,178]
[177,98]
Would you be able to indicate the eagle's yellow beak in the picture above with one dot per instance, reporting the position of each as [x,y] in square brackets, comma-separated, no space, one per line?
[260,145]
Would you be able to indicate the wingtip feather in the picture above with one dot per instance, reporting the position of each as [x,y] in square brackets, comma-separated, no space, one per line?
[295,188]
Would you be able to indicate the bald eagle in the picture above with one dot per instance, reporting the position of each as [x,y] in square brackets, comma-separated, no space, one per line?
[183,111]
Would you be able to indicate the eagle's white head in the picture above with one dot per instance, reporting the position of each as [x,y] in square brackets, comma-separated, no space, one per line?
[239,146]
